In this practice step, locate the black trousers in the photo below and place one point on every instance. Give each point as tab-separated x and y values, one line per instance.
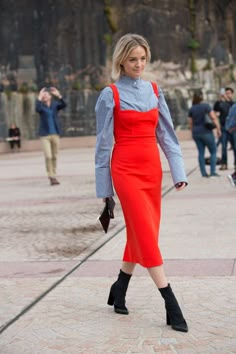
15	143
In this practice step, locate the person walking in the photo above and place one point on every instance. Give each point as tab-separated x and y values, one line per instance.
49	128
222	107
230	127
136	113
203	136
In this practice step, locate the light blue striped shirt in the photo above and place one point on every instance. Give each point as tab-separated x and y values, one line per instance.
135	94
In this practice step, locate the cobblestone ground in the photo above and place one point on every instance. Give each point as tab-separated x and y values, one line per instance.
40	222
48	231
55	224
74	318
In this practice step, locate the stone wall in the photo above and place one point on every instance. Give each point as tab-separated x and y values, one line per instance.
19	109
62	40
68	44
77	119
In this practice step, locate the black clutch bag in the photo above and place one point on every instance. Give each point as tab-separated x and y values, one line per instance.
107	214
208	122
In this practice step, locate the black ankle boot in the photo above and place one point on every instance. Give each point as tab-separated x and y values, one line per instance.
118	292
174	316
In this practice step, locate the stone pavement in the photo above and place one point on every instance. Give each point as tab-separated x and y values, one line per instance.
56	265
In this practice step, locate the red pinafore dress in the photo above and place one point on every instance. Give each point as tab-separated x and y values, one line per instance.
137	176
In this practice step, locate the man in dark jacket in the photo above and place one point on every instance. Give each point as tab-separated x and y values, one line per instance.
49	128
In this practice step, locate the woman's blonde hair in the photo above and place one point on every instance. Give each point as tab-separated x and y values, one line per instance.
122	50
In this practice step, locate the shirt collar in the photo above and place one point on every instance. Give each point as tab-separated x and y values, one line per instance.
130	81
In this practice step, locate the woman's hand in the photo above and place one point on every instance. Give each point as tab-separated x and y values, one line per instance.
180	185
105	199
55	92
41	92
216	121
218	132
110	205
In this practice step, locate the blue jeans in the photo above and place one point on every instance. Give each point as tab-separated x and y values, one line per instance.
202	141
233	137
224	142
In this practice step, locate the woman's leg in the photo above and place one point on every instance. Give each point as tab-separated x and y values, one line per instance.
174	315
211	145
128	267
119	288
201	152
158	276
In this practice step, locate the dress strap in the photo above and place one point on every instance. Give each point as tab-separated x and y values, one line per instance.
155	88
116	96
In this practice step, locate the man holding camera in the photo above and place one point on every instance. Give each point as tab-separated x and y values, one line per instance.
49	128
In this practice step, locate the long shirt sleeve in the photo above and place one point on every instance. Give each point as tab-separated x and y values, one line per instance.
137	95
40	106
104	125
49	119
168	141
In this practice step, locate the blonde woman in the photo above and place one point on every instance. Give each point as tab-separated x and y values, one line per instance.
136	113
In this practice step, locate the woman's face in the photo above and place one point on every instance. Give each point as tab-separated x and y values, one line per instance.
134	64
46	97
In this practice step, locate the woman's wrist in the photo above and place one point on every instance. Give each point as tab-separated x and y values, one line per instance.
181	184
107	198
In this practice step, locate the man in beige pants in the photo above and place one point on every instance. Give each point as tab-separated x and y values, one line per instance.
49	128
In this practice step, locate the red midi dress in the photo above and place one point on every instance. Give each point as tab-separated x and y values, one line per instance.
137	176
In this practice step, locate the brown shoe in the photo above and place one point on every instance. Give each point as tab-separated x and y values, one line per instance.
53	181
223	168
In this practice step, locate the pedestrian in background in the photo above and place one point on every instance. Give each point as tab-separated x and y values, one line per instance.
14	136
222	107
135	111
49	128
203	137
231	128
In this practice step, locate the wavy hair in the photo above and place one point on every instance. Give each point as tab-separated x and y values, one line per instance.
123	47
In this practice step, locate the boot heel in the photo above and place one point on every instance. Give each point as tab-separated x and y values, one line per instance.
174	316
167	319
110	300
117	293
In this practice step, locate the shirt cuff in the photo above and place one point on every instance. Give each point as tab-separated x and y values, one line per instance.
104	186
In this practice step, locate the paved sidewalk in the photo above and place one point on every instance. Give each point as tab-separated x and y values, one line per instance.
56	265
